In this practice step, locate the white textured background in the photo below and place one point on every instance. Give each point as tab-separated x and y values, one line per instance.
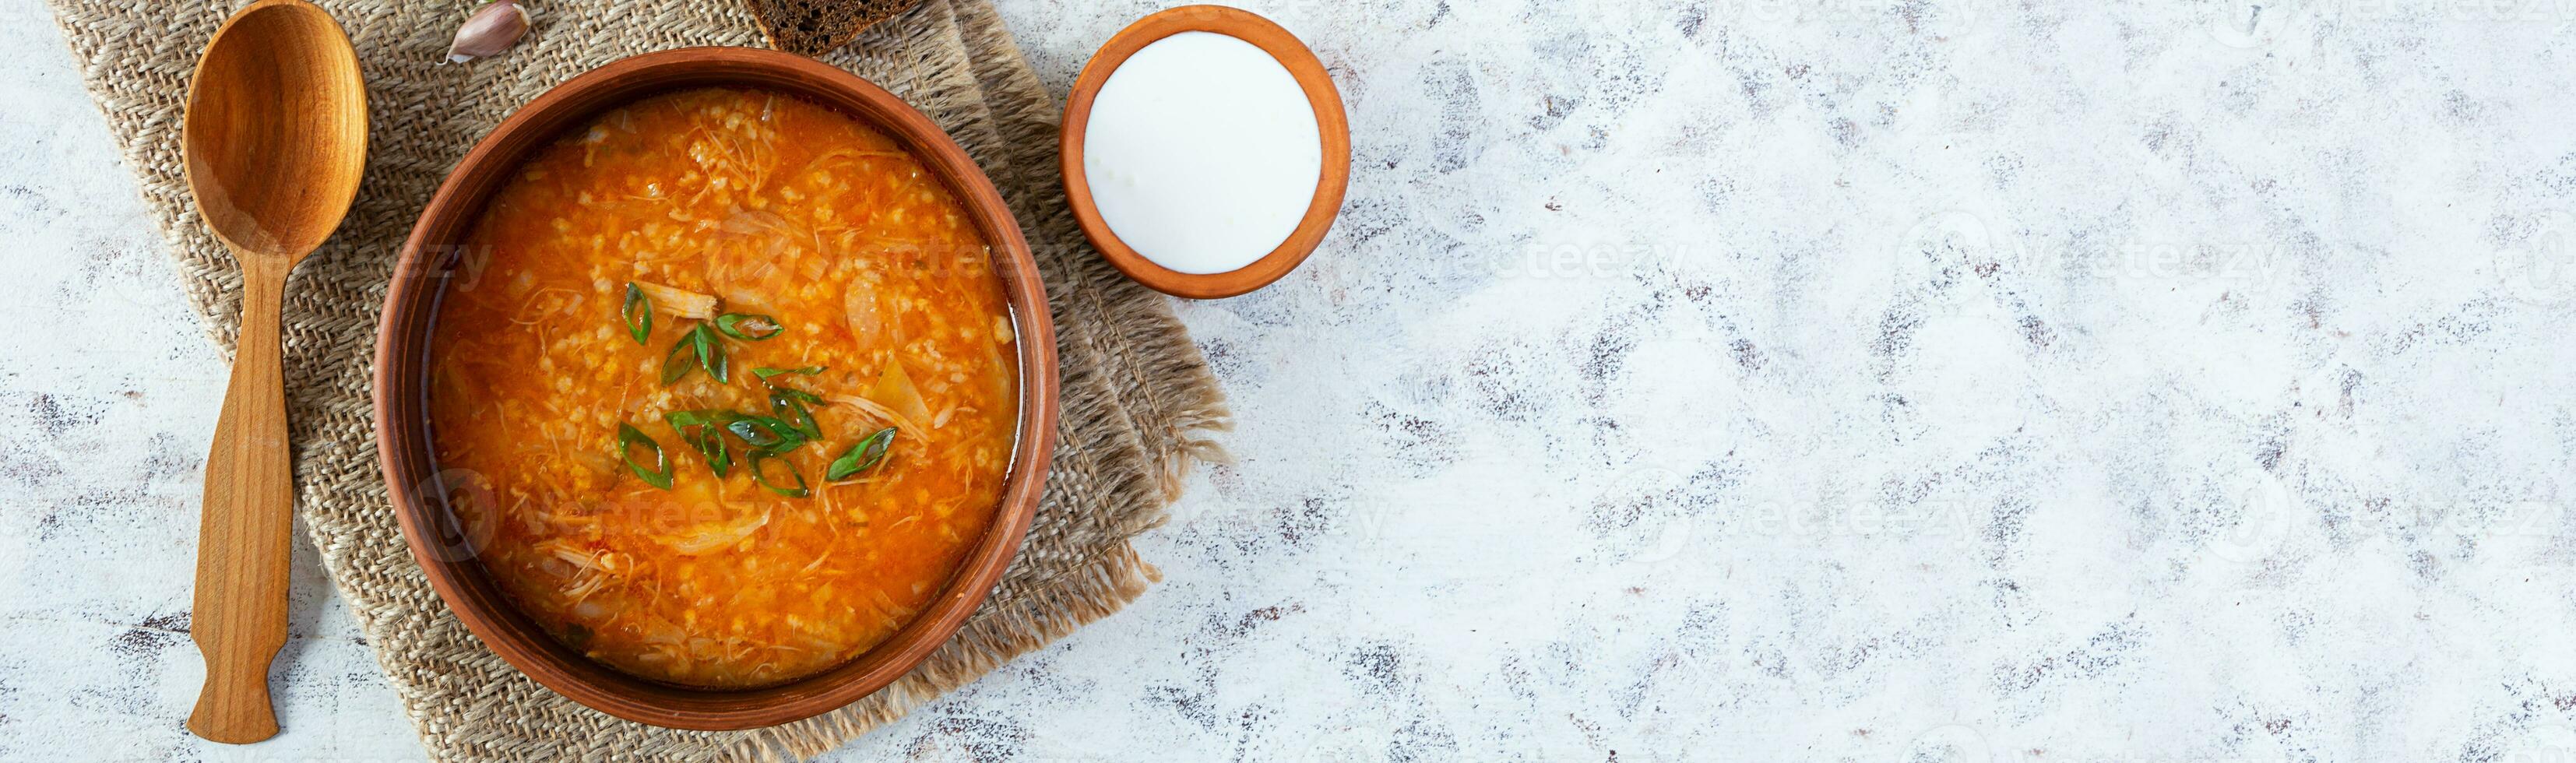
1872	380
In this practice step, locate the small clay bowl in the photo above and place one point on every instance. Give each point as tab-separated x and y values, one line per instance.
1329	121
420	492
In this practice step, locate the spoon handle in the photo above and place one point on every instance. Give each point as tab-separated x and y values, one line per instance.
242	534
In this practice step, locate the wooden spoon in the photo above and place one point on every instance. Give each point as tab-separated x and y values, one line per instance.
276	140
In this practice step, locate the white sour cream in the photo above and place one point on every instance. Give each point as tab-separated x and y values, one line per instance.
1202	153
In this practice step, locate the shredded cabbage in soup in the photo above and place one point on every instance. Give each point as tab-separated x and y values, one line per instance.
840	421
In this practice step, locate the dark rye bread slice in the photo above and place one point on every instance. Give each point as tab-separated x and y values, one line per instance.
815	27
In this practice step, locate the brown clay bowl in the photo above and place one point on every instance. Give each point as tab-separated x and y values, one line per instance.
420	493
1329	121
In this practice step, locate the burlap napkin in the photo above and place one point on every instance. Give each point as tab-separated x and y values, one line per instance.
1138	400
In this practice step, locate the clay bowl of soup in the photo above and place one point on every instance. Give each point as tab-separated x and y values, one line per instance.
715	388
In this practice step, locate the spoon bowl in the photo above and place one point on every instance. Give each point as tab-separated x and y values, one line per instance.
275	139
276	129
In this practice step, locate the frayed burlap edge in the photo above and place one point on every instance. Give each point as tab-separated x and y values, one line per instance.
1140	406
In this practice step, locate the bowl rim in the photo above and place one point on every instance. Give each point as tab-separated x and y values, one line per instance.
1330	121
418	493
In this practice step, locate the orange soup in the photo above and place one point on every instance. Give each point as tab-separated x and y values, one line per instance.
738	381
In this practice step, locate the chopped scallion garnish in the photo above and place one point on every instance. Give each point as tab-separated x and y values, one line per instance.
758	458
627	438
789	405
862	456
638	313
708	436
766	433
749	328
677	363
764	372
710	352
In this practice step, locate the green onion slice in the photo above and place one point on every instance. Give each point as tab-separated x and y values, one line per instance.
764	372
759	457
749	328
766	433
710	352
638	312
627	438
708	436
677	363
862	456
789	404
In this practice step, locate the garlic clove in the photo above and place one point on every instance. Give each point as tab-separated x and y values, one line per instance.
493	29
